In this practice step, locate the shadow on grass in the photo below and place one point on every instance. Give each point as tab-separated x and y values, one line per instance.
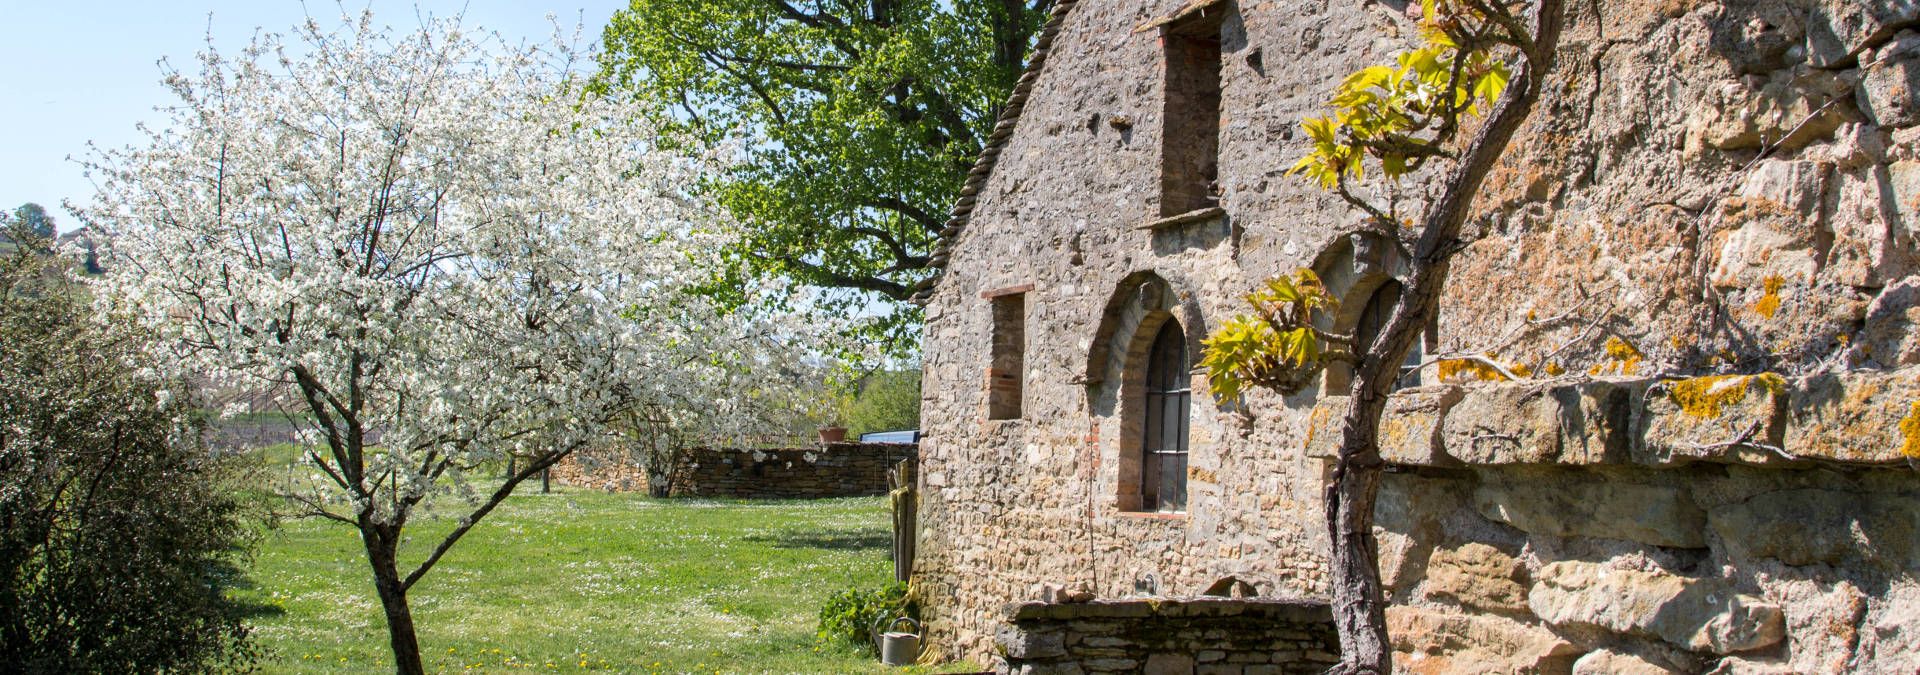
840	540
228	578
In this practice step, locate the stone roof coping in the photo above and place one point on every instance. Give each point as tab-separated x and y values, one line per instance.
1277	609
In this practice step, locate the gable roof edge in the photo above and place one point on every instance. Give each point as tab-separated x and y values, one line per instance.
990	155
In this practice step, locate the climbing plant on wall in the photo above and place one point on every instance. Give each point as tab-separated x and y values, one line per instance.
1396	119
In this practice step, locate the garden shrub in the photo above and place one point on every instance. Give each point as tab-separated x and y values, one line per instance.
848	616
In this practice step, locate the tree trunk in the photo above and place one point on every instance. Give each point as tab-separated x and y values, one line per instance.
381	555
1359	603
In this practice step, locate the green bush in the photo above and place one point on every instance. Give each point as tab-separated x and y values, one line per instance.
119	531
848	616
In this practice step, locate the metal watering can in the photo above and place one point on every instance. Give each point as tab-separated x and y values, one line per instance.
897	648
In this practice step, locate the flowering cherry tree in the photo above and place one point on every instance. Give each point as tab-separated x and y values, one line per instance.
443	251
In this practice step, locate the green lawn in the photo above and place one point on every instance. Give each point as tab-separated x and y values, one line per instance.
581	580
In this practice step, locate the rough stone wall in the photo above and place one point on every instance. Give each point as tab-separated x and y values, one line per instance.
831	470
1203	636
1705	187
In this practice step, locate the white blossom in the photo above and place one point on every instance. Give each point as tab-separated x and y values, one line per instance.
446	250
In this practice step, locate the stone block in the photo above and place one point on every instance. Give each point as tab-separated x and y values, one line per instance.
1578	506
1609	662
1504	424
1854	416
1477	575
1111	665
1865	247
1697	614
1410	426
1527	423
1775	231
1890	334
1822	527
1168	664
1839	30
1437	642
1696	418
1014	642
1890	85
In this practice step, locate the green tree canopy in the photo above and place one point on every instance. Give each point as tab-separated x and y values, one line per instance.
36	219
861	120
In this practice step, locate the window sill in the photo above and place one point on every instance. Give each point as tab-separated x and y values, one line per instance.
1193	216
1154	515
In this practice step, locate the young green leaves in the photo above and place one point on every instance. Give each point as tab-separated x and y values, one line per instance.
1403	114
1276	346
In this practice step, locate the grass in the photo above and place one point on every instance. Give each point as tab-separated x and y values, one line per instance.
583	581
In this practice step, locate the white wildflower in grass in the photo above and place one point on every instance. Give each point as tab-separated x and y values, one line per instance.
447	251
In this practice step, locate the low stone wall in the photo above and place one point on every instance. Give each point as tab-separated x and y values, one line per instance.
831	470
1198	636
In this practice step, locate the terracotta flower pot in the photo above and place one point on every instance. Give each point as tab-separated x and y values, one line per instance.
833	434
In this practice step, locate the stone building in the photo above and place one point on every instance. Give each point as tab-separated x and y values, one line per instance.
1698	253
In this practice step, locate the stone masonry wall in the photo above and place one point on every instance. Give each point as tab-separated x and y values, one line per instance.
831	470
1706	188
1192	636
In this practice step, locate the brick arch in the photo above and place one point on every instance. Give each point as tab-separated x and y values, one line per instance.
1138	305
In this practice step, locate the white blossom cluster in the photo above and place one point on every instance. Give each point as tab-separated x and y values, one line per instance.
444	247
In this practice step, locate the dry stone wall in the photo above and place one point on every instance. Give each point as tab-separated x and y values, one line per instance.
830	470
1706	188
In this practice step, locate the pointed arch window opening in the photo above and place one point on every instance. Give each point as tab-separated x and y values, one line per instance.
1374	317
1169	400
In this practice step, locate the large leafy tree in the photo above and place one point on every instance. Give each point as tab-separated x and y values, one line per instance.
449	256
35	218
863	117
1397	119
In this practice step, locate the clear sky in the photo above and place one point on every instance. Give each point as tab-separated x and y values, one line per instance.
73	71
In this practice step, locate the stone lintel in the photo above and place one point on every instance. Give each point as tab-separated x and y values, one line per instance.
1009	290
1194	216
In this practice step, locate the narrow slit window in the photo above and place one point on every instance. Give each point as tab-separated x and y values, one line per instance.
1007	370
1190	148
1163	466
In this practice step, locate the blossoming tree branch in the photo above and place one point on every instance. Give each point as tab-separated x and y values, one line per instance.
444	252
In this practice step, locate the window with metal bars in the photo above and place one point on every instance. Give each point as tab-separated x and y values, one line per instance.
1163	452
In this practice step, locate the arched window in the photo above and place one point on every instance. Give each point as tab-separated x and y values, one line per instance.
1163	451
1374	317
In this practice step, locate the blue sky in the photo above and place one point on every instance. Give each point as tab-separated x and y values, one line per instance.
77	71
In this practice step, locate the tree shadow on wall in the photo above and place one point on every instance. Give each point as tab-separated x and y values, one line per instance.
831	540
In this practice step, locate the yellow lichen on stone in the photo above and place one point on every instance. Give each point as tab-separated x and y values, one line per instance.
1708	397
1456	371
1554	369
1623	359
1910	432
1769	303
